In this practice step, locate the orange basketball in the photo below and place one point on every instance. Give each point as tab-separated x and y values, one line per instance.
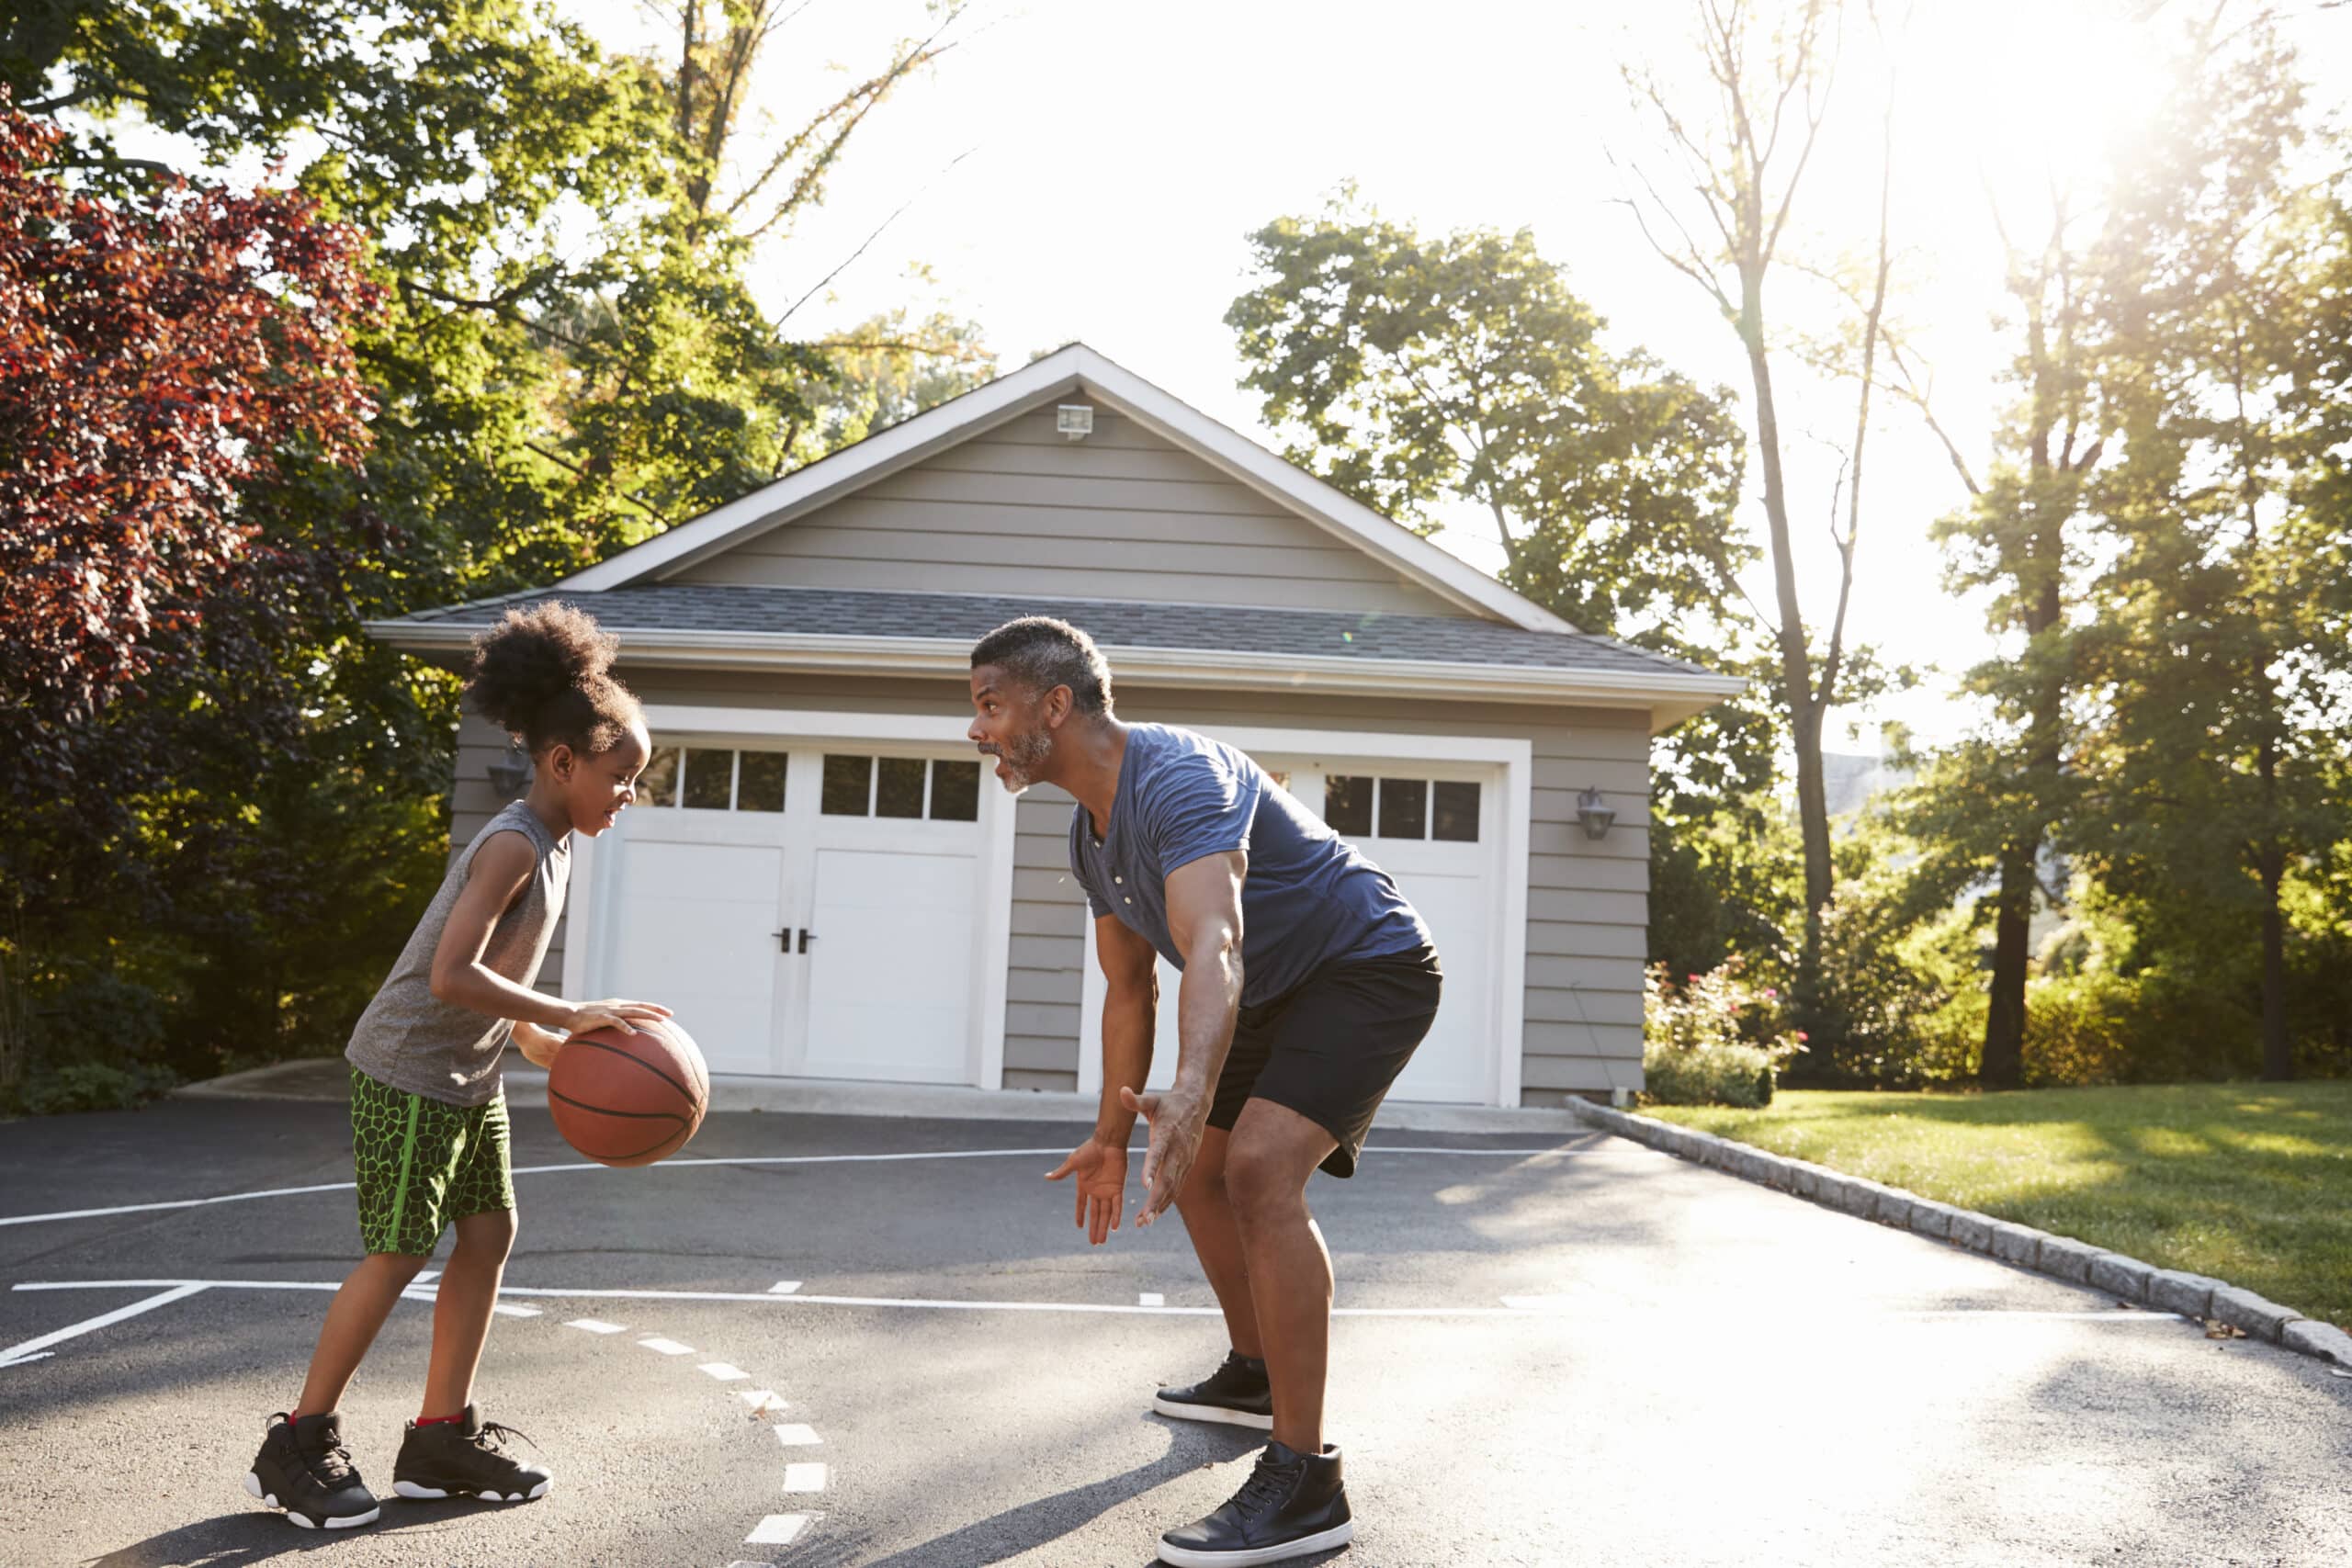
625	1098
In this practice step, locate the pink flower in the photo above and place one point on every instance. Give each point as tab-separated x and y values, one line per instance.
1802	1035
1771	995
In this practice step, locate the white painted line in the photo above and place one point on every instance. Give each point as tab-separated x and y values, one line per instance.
427	1277
794	1435
785	1288
934	1304
506	1309
667	1346
778	1529
724	1372
804	1477
597	1325
681	1162
22	1361
761	1399
1151	1299
22	1351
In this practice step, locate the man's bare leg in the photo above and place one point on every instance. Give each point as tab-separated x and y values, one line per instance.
1272	1151
1217	1240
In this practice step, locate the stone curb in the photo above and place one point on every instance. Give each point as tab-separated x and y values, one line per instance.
2063	1257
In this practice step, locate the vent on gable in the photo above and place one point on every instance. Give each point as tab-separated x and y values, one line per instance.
1074	421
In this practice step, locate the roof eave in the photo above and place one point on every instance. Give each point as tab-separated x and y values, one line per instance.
1668	697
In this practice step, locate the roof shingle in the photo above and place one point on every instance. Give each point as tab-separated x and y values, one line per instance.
825	611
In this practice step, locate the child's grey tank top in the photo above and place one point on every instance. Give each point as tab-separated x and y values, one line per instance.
412	1040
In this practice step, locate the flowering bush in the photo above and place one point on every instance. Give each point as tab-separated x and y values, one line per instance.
1712	1040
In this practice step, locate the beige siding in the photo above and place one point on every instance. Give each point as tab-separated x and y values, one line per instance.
1586	901
1122	514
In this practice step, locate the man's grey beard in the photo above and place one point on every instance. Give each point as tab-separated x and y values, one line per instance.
1023	756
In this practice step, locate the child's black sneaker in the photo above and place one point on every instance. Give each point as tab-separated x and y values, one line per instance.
1291	1504
304	1469
466	1458
1236	1393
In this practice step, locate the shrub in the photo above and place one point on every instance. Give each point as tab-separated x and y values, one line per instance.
88	1085
1713	1040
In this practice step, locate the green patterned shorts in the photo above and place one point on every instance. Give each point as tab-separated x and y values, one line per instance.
423	1164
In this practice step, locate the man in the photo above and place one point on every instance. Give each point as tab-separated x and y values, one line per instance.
1308	982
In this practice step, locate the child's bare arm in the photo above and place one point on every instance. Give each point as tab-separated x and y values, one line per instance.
499	870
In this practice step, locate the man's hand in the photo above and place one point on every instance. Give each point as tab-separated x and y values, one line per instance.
1102	1186
613	1013
538	1045
1176	1118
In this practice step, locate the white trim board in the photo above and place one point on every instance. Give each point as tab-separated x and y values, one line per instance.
1507	977
992	944
1074	367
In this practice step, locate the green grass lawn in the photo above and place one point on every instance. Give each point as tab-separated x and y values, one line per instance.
2251	1183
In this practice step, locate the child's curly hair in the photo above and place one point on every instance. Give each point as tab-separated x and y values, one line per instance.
544	673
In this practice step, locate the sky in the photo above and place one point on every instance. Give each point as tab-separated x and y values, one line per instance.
1085	170
1089	170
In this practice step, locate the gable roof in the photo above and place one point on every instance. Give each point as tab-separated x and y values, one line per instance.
1074	369
1243	647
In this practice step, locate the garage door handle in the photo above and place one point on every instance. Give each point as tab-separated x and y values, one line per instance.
805	938
783	940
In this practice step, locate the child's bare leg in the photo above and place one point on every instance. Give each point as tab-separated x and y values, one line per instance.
461	1311
353	1317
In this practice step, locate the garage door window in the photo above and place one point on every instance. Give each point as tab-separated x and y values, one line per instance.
1360	806
903	787
710	778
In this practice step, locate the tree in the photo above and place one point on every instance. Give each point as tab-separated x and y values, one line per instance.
156	357
2218	658
1413	372
1740	142
171	363
1459	374
1987	810
568	359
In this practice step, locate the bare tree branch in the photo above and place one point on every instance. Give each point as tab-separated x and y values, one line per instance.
869	239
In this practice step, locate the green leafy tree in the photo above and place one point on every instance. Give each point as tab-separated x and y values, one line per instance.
2222	670
1460	375
568	360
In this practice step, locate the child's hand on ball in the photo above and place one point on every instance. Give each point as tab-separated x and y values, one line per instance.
613	1013
538	1046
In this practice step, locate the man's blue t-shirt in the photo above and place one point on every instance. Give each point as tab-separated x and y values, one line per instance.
1308	899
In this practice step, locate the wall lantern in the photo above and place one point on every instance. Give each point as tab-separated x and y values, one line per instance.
512	771
1595	814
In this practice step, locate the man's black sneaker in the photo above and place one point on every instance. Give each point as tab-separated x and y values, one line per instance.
1291	1504
304	1469
1236	1393
465	1457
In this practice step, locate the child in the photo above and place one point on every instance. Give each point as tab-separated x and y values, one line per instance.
428	1110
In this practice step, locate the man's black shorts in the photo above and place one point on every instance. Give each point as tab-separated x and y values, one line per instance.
1331	1048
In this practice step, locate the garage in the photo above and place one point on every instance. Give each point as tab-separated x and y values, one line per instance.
822	885
812	907
1439	827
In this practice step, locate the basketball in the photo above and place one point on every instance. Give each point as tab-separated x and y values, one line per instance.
628	1098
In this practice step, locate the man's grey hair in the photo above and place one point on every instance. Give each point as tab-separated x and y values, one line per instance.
1043	654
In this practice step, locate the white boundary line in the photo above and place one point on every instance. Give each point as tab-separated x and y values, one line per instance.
706	1161
32	1349
189	1287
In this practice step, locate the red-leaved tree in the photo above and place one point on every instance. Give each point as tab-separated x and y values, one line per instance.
159	358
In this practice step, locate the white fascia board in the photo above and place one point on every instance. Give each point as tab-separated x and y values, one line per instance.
1668	697
1284	481
871	459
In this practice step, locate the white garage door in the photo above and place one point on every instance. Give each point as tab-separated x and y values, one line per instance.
806	911
1437	837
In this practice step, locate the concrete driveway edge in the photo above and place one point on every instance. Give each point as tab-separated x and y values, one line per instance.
2076	1262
